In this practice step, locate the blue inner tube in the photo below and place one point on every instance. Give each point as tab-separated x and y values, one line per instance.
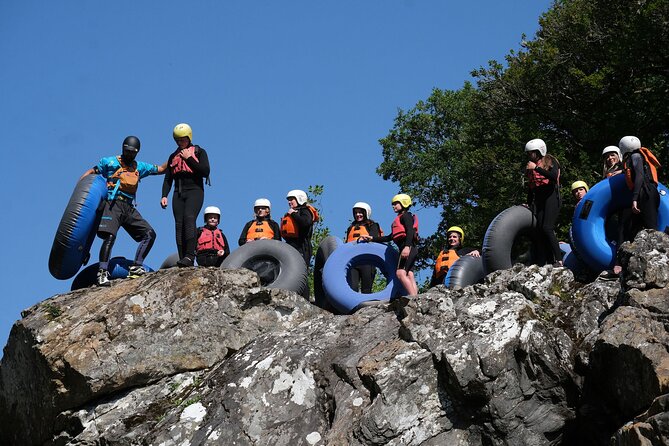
77	227
118	269
349	255
588	225
467	270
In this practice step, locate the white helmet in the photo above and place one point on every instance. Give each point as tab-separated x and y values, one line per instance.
365	207
299	195
212	210
629	144
614	149
262	202
536	144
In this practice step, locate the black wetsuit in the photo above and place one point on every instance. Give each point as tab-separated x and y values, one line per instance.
645	194
187	199
544	201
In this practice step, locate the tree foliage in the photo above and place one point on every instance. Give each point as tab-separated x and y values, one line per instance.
596	70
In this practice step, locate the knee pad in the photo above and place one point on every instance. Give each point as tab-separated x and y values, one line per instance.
150	235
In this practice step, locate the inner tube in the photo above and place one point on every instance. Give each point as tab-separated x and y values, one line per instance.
505	235
349	255
278	264
77	228
588	225
325	248
467	270
118	269
170	261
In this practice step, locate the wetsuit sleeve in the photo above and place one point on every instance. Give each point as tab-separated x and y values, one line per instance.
277	230
374	230
637	165
167	181
551	174
226	248
407	222
464	251
303	219
200	167
383	239
242	236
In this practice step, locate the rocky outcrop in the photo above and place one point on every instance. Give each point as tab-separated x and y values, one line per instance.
207	356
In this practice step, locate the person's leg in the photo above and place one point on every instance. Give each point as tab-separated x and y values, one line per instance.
109	224
366	278
649	208
141	231
414	290
354	278
193	200
178	210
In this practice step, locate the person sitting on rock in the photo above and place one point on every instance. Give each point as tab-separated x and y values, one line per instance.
453	250
212	245
262	227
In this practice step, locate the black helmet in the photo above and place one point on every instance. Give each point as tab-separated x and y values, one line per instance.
131	143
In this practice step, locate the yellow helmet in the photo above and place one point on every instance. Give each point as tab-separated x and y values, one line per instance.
181	130
402	199
459	230
576	184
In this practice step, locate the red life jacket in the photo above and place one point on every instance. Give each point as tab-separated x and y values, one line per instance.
398	231
259	230
210	239
126	176
536	179
650	166
288	227
445	260
179	164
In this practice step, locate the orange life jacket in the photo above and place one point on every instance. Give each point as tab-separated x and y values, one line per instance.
127	178
445	260
650	166
288	227
179	164
397	228
210	239
357	230
259	230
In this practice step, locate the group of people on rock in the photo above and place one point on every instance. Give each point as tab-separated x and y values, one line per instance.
639	166
187	170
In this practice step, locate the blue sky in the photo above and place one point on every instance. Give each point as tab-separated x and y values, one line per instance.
282	95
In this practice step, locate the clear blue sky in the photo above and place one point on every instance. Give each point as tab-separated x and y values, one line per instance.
282	95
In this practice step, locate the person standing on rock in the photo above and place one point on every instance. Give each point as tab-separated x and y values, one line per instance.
543	197
297	225
188	168
123	174
640	168
404	232
361	277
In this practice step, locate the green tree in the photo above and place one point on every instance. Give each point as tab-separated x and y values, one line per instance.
596	71
320	229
